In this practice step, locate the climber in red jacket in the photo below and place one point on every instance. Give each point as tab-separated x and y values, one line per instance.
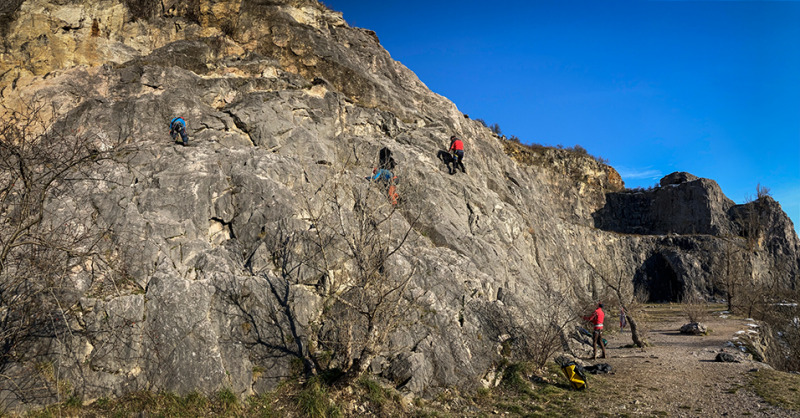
457	149
596	318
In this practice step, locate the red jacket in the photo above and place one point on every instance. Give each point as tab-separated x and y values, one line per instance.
457	145
596	318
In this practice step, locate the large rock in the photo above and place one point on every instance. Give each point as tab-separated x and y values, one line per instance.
677	178
687	206
693	328
281	98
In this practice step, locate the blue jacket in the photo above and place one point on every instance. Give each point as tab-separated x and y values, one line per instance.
383	174
179	120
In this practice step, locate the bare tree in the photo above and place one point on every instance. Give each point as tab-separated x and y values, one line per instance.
370	291
745	292
542	334
762	191
49	237
344	251
754	219
732	279
626	296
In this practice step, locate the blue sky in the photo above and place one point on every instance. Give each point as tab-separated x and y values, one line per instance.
707	87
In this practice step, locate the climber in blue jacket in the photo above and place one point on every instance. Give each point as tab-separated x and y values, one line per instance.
387	179
177	126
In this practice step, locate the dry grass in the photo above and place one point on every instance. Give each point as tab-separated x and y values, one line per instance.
778	388
550	395
224	404
318	397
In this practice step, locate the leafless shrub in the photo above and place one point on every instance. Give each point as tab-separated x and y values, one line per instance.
762	191
755	218
368	296
694	307
544	332
780	312
577	149
49	244
345	251
601	160
790	338
630	300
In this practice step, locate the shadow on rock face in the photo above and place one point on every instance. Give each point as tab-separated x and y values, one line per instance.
7	10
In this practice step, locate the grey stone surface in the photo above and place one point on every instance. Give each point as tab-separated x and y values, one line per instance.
677	178
279	104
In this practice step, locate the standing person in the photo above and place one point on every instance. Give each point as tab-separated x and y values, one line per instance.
457	149
177	126
596	318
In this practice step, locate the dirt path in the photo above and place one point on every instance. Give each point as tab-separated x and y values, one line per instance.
677	375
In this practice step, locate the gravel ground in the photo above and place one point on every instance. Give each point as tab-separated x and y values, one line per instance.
677	375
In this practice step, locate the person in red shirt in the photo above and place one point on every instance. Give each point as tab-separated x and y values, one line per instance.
596	318
457	149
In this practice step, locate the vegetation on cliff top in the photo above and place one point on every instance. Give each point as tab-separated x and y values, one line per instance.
572	161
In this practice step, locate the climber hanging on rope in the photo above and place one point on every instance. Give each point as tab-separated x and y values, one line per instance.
383	174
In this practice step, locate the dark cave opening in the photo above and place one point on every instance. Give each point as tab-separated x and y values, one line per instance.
658	280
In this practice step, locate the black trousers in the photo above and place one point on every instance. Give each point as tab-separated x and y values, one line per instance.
459	157
178	129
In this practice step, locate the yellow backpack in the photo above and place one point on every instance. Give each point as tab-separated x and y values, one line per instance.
574	373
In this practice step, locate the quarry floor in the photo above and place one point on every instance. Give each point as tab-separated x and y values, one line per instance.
677	375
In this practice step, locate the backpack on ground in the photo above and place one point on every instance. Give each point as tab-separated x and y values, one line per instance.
599	368
575	374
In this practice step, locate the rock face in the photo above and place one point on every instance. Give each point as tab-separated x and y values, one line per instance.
286	105
686	208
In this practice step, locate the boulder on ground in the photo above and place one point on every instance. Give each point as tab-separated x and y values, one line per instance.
694	328
725	358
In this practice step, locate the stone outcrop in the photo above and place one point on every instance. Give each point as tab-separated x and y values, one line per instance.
693	328
690	206
282	98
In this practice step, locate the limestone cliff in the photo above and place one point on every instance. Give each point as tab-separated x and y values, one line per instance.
286	104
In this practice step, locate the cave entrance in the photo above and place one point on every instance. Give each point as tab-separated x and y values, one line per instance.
658	280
